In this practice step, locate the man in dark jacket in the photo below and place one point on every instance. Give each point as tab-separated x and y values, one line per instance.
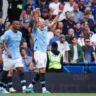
1	4
54	60
14	9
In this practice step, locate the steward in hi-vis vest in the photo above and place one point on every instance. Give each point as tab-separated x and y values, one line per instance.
54	60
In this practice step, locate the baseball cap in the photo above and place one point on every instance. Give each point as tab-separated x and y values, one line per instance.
62	36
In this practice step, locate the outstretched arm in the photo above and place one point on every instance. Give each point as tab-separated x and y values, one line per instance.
37	15
54	21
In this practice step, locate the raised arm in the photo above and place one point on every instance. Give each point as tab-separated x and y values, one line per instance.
37	15
54	21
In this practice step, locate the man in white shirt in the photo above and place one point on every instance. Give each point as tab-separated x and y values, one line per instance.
63	47
55	6
68	7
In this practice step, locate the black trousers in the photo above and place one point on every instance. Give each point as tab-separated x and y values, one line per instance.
1	4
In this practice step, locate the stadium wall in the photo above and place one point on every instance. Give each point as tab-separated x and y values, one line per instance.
62	82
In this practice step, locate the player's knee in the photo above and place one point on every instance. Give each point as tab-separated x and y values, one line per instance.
42	70
10	73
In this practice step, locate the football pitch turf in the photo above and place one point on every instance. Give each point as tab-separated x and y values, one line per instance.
52	94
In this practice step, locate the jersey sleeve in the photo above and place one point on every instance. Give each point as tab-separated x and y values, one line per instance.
6	36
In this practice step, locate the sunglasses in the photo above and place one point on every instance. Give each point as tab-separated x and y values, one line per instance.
87	41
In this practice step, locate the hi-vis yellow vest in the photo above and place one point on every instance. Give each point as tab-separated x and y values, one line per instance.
19	6
54	60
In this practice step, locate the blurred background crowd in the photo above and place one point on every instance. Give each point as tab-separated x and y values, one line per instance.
75	31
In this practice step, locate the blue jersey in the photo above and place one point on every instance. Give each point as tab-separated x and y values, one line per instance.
40	37
13	44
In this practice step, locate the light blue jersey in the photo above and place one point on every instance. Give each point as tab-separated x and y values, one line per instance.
40	37
13	44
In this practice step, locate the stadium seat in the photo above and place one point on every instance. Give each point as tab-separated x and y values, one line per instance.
74	69
92	69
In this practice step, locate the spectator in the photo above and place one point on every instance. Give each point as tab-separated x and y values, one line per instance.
86	31
75	53
81	40
78	30
88	52
1	26
29	2
50	35
25	46
78	15
60	26
27	60
68	24
63	47
43	5
88	11
93	39
55	6
81	6
4	27
50	16
55	38
94	46
93	28
93	8
44	14
70	35
61	7
25	18
88	19
0	21
87	2
14	7
1	4
54	60
68	6
67	16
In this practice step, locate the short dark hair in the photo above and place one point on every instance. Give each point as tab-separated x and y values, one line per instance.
74	37
28	6
22	41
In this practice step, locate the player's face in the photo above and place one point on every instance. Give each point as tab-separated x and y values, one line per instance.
16	25
42	23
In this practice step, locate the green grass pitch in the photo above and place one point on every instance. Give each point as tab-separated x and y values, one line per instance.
52	94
